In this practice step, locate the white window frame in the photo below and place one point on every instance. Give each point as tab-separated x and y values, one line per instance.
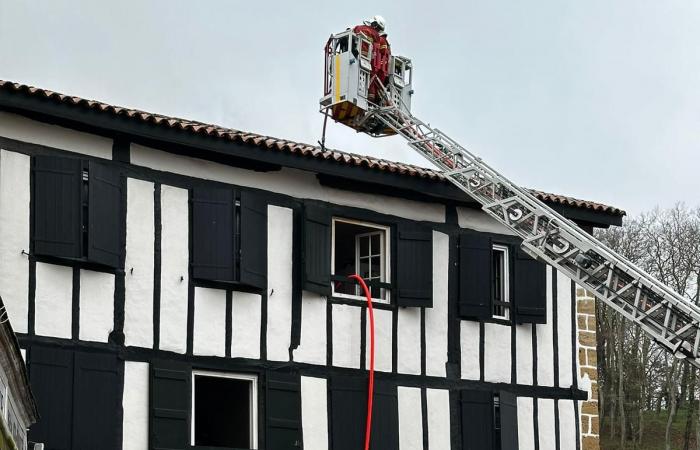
252	398
385	239
505	280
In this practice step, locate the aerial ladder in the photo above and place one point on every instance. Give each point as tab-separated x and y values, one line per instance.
669	319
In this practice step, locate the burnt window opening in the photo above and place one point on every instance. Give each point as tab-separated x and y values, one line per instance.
224	410
500	277
363	249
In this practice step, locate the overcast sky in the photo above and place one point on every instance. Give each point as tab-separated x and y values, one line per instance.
596	99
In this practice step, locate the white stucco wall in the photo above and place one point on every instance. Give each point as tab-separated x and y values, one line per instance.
346	336
53	300
523	355
246	315
438	403
408	341
314	417
14	236
477	220
567	424
135	403
545	342
545	424
138	284
469	344
410	419
96	305
312	348
174	268
497	353
280	224
382	340
564	330
526	424
436	317
209	322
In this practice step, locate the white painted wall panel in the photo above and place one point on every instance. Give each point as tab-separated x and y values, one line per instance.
346	336
53	300
314	413
14	126
410	419
312	348
436	317
523	353
382	340
526	424
175	259
497	353
138	285
280	224
564	330
438	402
545	424
469	343
246	312
545	342
567	424
297	183
476	219
209	322
14	236
96	305
135	404
408	340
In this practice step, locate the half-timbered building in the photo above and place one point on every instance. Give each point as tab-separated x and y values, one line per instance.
181	285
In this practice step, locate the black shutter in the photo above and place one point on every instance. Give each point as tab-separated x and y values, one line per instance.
51	375
283	411
253	240
97	400
170	405
414	266
475	253
104	206
212	234
349	414
57	206
530	289
509	421
477	420
317	250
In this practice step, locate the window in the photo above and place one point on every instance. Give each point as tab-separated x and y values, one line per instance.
360	248
489	420
224	410
500	276
497	420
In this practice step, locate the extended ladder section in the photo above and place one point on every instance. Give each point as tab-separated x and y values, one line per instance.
670	320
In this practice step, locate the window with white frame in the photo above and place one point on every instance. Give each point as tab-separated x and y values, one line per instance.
363	249
501	282
224	410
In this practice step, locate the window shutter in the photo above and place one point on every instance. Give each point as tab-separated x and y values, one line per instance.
212	234
530	289
475	275
414	263
170	405
57	194
509	421
317	250
283	411
104	211
51	375
477	420
349	413
253	240
96	401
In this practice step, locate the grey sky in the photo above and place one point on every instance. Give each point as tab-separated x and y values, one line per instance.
594	99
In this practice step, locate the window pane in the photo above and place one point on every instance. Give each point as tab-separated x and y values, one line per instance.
376	247
376	267
364	246
364	268
222	412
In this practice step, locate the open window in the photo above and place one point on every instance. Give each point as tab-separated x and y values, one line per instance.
500	275
363	249
224	410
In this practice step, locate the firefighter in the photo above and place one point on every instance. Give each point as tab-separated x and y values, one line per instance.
374	30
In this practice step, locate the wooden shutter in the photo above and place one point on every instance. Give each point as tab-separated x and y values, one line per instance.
349	413
212	234
57	206
170	405
316	256
509	421
104	207
477	420
283	411
97	400
51	377
475	253
253	240
414	265
530	289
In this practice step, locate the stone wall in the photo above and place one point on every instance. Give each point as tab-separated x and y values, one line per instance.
588	367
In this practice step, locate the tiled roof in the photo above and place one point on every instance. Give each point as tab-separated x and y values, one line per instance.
276	144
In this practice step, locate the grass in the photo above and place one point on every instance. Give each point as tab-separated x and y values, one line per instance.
654	432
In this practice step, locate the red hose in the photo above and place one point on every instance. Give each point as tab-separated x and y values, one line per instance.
370	390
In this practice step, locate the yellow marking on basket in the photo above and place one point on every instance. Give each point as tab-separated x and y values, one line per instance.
336	82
